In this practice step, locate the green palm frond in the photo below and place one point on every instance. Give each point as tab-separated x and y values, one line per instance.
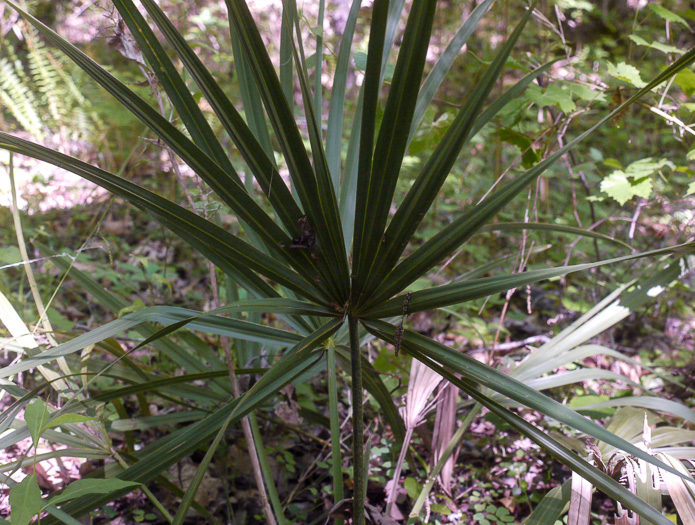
324	255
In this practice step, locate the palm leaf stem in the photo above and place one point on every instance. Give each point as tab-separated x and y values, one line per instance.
360	474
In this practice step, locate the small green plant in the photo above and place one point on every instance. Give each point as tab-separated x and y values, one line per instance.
326	256
42	93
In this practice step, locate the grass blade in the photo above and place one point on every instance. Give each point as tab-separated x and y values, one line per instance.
611	310
295	362
327	194
229	188
218	325
551	507
318	69
286	58
537	226
348	187
253	106
200	472
156	458
602	481
370	98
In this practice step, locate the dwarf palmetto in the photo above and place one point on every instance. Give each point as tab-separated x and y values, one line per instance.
328	259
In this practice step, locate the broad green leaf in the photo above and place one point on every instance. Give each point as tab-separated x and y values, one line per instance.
686	80
668	15
635	180
25	501
544	362
85	453
36	415
622	189
348	185
553	95
87	486
551	507
691	189
626	73
529	157
508	96
664	48
158	385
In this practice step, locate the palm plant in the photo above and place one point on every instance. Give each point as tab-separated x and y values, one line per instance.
328	259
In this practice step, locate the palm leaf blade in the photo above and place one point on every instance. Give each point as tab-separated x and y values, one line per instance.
459	292
255	155
452	362
453	235
426	187
223	248
601	480
374	199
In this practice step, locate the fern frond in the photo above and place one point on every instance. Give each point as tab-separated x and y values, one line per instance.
18	99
